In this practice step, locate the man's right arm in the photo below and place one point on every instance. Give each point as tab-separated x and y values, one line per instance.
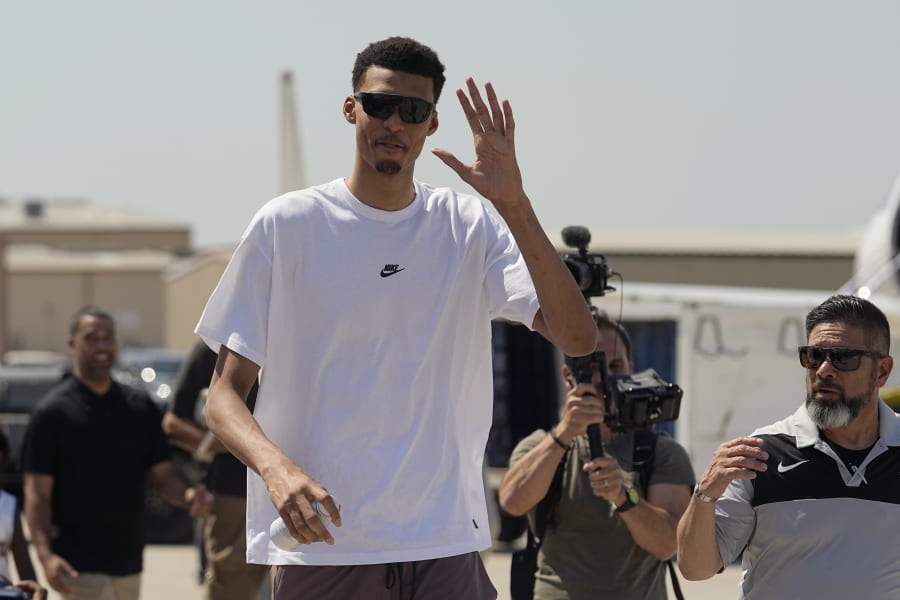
290	488
231	421
38	494
698	549
38	513
528	479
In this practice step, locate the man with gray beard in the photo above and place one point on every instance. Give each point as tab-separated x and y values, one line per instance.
818	489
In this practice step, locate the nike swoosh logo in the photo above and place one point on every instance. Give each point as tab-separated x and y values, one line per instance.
784	469
389	273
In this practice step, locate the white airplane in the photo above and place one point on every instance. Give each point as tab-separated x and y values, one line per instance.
877	263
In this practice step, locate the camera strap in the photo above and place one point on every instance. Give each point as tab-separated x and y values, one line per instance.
524	561
642	457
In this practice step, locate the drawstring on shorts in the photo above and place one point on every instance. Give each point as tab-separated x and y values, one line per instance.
394	576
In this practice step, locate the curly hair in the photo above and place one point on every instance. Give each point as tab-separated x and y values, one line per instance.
400	54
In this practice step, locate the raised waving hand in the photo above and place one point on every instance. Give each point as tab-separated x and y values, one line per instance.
495	171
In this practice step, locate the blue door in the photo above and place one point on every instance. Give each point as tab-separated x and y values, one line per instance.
653	347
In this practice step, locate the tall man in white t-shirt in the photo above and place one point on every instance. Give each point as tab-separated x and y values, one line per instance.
364	305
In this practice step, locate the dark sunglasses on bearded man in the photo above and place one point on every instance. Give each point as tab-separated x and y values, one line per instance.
842	359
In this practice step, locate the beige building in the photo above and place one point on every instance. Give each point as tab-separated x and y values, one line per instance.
46	285
187	285
58	256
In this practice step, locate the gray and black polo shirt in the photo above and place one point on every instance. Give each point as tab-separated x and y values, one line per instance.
812	526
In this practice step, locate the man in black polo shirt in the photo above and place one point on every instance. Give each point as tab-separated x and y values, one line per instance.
90	447
228	575
813	501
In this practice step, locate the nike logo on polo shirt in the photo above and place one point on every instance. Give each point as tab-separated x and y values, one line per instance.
389	270
782	468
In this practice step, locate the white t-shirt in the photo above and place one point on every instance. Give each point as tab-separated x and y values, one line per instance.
372	329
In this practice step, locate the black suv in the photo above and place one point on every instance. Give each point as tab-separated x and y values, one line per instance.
154	370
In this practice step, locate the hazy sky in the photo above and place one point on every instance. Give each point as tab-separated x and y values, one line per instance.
630	114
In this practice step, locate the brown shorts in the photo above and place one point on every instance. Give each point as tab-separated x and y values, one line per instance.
99	586
450	578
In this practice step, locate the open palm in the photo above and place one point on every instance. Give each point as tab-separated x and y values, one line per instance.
495	172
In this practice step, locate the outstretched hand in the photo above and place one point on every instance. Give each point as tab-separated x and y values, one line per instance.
495	172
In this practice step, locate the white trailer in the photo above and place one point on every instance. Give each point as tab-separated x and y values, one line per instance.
735	354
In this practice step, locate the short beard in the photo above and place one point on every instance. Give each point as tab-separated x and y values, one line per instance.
839	413
388	167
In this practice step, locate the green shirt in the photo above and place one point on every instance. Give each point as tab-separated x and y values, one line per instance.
588	552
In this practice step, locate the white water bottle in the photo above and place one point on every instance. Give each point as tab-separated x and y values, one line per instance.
281	535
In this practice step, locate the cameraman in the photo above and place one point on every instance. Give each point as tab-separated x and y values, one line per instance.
599	542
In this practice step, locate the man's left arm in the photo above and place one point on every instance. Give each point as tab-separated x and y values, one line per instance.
564	317
170	484
653	522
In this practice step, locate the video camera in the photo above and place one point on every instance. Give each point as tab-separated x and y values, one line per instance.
634	401
590	271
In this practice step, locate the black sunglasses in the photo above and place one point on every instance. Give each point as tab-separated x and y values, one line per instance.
842	359
382	106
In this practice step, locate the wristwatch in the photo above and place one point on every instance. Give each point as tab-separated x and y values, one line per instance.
703	497
632	497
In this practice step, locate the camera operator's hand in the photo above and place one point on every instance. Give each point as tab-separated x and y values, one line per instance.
583	407
607	479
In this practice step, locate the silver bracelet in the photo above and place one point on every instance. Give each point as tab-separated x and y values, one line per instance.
703	497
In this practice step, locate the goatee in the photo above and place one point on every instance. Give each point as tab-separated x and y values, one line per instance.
388	167
836	413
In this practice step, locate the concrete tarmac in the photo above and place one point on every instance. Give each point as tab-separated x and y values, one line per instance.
170	573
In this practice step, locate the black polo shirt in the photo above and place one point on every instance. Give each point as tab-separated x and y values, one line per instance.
98	449
810	526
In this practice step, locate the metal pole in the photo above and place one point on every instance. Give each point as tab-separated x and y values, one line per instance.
291	162
4	299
